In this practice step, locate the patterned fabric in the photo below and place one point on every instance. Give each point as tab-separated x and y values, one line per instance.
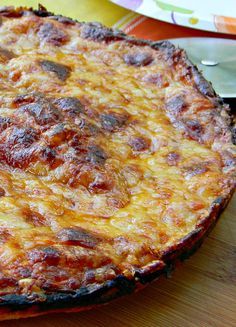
202	14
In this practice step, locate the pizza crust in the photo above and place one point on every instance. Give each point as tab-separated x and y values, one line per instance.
16	305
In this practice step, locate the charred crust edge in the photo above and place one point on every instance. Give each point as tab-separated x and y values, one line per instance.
93	295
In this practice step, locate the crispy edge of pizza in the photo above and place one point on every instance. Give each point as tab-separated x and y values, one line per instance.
15	306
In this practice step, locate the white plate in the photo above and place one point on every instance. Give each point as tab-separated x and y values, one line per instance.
209	15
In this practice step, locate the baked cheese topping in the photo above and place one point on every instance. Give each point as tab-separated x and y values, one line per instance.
109	154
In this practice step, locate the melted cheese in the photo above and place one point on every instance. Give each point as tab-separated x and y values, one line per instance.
91	188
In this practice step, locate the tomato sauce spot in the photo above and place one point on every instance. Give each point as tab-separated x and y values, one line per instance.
33	217
49	255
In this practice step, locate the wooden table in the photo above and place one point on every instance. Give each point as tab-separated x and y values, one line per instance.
200	293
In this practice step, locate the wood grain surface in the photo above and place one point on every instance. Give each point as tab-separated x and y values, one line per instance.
201	292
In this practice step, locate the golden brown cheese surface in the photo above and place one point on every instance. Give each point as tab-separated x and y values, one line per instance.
109	154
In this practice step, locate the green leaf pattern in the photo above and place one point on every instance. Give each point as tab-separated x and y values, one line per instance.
169	7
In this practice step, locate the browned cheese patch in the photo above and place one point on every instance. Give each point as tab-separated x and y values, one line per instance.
51	34
61	71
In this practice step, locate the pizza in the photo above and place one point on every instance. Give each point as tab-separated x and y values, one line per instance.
116	159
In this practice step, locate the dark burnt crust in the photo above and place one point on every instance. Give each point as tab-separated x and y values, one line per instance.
92	295
13	305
